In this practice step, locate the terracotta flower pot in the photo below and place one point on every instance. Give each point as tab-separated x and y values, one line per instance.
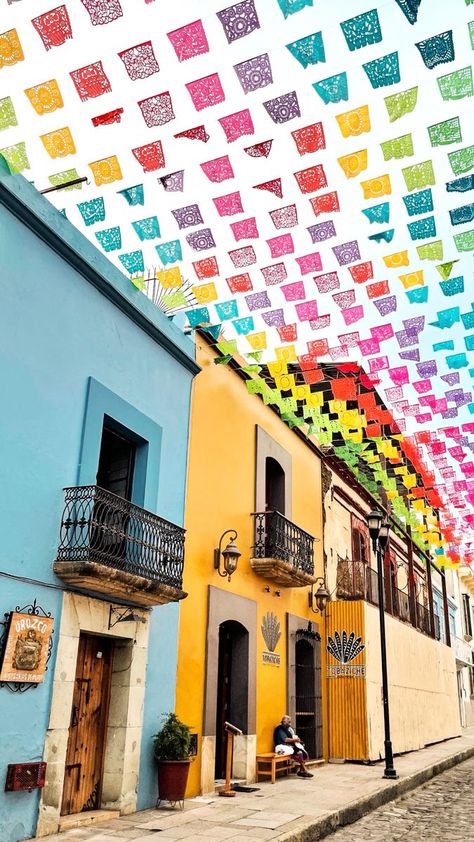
172	779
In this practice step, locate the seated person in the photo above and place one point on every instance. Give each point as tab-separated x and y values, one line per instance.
287	742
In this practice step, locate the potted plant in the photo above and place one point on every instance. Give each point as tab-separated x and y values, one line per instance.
171	747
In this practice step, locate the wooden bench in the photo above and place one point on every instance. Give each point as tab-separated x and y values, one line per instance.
270	763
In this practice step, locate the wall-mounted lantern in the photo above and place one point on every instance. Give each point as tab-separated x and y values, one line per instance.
230	555
320	597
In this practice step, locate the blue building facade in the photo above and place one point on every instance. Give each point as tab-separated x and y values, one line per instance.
95	392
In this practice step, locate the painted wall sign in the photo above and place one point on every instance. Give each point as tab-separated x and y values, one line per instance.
271	635
344	648
26	649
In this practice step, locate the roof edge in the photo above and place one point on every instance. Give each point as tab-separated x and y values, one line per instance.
24	201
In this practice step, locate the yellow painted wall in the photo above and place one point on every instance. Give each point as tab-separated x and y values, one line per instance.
422	686
220	496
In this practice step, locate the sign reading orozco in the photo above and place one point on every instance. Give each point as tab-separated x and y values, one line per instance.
26	649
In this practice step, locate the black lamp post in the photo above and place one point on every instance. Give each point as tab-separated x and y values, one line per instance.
379	531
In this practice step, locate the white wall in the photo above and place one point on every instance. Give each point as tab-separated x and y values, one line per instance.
423	688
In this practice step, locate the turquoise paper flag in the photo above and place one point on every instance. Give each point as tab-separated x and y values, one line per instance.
244	326
421	202
456	361
422	228
383	71
133	195
453	286
362	30
386	236
110	239
447	318
132	261
227	310
198	316
213	330
147	229
465	213
92	211
460	185
169	252
332	89
378	213
418	295
308	50
290	7
409	9
444	346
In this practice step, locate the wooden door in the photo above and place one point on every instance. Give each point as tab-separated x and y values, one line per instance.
89	714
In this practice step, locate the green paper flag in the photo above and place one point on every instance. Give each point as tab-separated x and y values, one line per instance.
431	251
456	85
445	269
399	104
419	175
464	241
16	157
449	131
462	160
7	114
399	147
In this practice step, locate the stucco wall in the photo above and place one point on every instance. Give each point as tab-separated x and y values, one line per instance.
220	496
422	680
56	331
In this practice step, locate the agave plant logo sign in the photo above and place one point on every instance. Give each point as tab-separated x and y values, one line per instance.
344	648
271	635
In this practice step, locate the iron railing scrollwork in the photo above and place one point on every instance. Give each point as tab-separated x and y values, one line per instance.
277	537
356	580
99	526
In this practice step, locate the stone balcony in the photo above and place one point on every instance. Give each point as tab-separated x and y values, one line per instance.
110	546
283	552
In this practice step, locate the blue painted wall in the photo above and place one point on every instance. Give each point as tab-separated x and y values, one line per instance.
56	332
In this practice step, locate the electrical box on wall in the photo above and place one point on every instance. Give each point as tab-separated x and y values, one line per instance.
25	776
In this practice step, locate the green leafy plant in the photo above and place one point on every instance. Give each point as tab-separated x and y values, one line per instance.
172	742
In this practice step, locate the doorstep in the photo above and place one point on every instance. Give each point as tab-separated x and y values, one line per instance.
86	819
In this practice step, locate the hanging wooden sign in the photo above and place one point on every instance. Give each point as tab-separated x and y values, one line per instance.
26	649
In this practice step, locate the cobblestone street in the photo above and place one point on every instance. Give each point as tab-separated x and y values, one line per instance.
440	810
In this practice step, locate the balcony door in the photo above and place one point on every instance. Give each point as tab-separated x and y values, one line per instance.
111	519
88	724
116	463
274	486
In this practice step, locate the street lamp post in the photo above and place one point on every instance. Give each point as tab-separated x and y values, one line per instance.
379	531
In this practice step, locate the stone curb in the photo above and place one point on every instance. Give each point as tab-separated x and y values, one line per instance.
322	827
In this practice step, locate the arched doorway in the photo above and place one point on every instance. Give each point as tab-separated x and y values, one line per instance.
308	713
274	486
232	686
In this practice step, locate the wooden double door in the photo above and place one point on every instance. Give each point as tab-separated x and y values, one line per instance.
88	725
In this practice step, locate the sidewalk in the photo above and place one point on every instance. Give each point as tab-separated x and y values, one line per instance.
291	810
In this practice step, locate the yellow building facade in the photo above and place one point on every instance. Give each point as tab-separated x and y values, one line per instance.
251	648
241	641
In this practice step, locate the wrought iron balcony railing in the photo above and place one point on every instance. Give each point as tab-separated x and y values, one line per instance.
279	538
356	580
99	526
